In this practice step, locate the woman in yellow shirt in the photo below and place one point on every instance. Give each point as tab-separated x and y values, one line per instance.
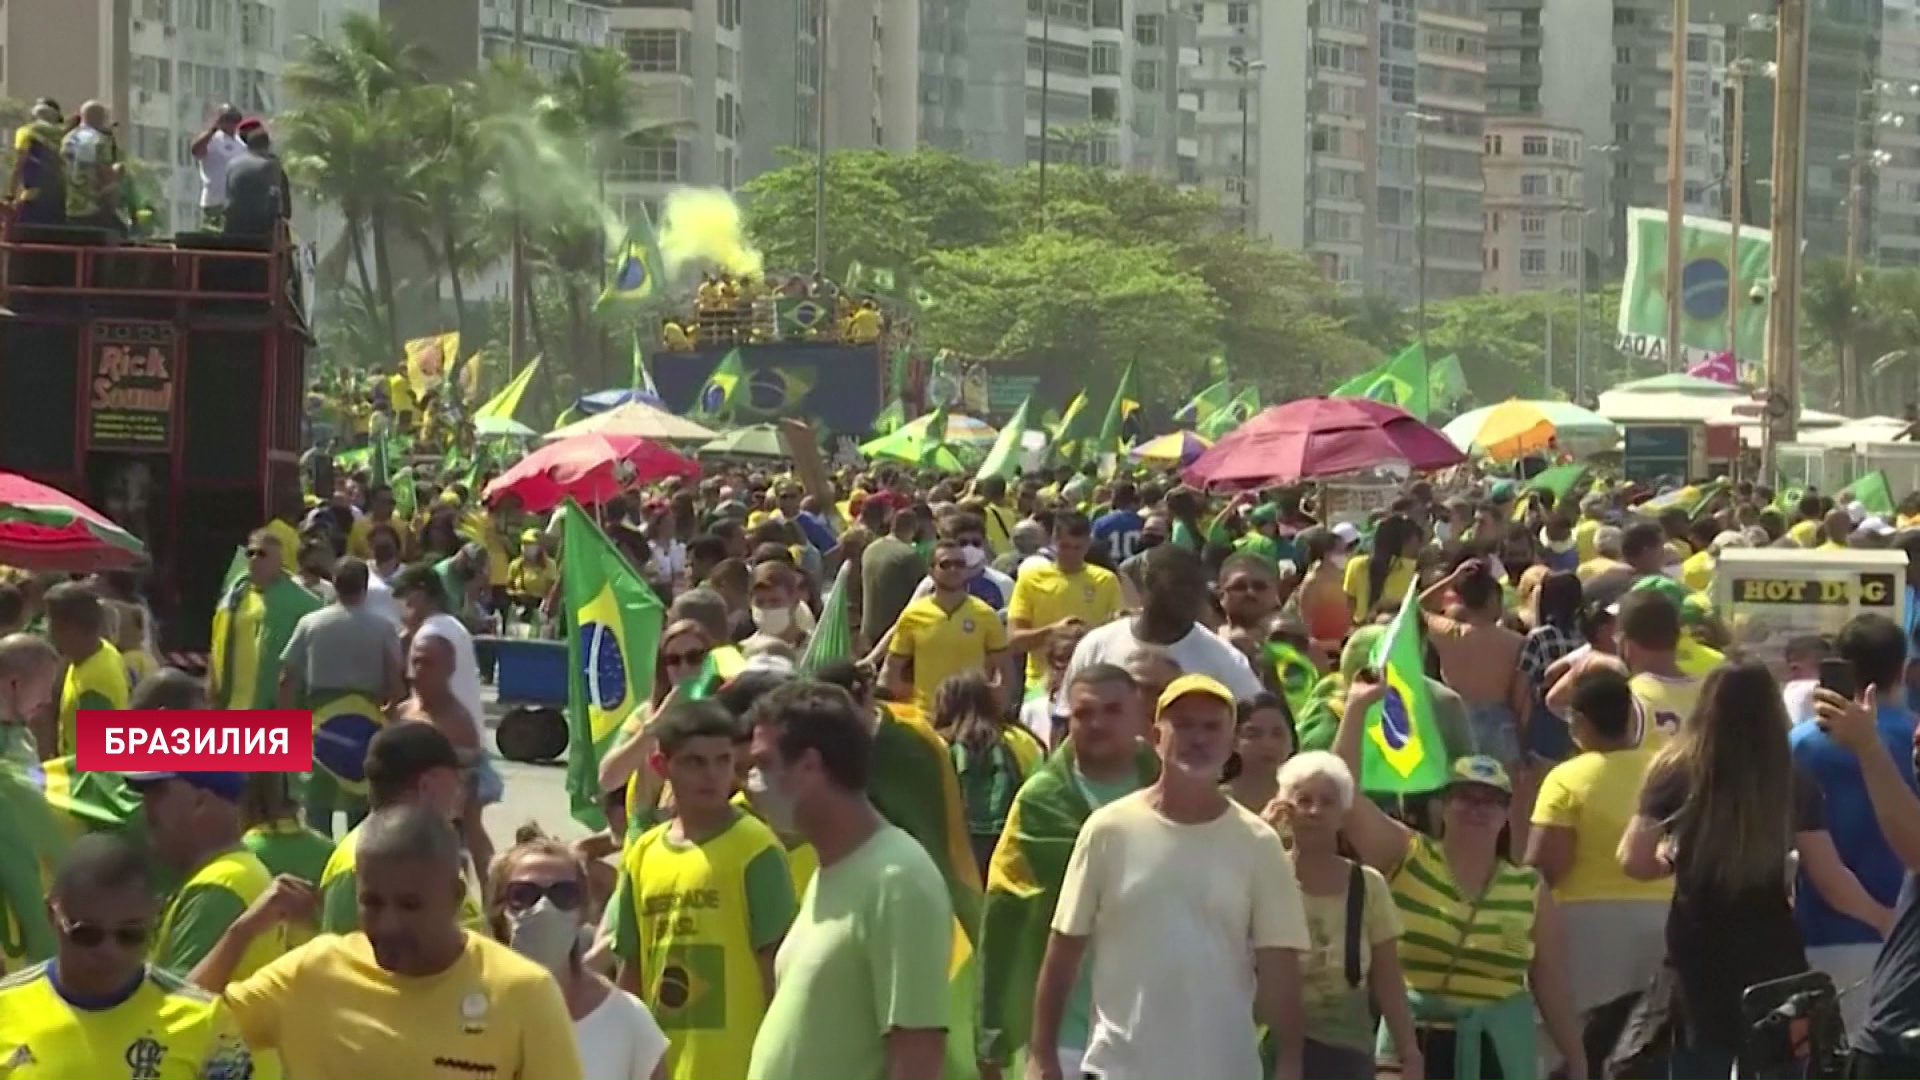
1386	572
1616	926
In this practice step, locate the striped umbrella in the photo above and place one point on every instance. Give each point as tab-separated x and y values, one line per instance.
44	528
1179	448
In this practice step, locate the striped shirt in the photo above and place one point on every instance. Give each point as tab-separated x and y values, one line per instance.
1469	951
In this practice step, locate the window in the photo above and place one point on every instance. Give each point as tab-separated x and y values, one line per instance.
1533	146
728	13
156	10
1696	49
1622	93
656	50
1055	56
1146	29
649	159
1533	261
1237	13
1533	225
724	63
1146	74
726	116
1623	56
1106	58
1533	184
1108	15
1106	104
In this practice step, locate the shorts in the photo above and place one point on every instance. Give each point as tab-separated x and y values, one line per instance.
1495	731
487	785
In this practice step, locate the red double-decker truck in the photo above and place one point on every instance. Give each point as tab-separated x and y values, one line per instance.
162	383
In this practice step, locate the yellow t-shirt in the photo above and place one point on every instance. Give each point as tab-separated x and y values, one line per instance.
1044	595
941	644
98	682
1805	533
182	941
1696	571
500	548
1474	951
1358	579
399	394
1596	795
166	1030
701	914
1583	534
1664	702
1594	567
531	579
330	1010
1337	1012
360	546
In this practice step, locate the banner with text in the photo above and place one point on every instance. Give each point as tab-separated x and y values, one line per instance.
131	388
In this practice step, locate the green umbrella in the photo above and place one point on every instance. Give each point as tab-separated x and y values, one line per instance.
760	440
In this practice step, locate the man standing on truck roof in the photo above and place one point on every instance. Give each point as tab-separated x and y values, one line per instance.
215	149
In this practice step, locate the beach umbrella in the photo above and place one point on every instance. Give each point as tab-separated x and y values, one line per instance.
636	419
1181	447
1317	438
44	528
760	440
589	469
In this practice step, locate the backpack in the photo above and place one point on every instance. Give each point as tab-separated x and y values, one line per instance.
988	783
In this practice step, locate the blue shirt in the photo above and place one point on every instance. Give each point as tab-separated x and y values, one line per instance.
1850	820
1120	531
1913	622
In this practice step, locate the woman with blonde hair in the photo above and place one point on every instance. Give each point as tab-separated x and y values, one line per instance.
539	908
1354	963
1712	817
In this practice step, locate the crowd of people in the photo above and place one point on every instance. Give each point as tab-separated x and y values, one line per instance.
1080	796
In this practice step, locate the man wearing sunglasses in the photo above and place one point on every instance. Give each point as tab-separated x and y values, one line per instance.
97	1008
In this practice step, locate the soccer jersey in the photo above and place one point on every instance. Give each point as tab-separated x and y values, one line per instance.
202	909
339	892
160	1029
98	682
698	916
1044	595
943	643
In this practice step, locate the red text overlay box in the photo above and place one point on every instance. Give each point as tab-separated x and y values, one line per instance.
156	740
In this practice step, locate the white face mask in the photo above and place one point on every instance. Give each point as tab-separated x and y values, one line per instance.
545	935
774	621
1443	531
774	806
976	557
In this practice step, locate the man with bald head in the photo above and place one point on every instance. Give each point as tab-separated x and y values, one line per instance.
93	171
30	671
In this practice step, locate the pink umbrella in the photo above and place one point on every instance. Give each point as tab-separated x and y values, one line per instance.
1314	438
588	468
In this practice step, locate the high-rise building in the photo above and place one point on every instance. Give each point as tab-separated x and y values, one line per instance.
1446	130
1253	100
1896	223
973	76
1535	202
1346	98
552	32
686	66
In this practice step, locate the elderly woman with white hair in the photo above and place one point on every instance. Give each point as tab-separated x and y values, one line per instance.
1353	922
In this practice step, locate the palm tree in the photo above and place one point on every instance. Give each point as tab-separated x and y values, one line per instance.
450	175
347	139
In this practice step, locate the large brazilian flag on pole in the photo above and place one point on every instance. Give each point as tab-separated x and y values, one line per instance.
614	620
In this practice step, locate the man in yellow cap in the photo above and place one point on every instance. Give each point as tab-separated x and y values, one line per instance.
530	576
1191	907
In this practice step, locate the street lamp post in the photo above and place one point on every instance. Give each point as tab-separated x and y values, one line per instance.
1046	70
1676	177
1420	120
1246	69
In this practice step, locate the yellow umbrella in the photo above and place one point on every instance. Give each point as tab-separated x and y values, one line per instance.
1514	428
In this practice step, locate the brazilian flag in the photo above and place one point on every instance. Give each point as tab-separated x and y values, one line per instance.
613	629
343	726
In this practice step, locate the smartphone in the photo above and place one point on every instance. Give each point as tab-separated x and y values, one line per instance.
1837	675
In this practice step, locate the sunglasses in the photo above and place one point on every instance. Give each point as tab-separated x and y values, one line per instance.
565	895
92	936
684	659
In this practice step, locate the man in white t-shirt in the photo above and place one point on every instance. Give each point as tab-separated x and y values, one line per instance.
1190	908
214	149
423	610
1174	584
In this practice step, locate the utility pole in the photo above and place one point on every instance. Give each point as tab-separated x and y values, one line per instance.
1783	300
1676	179
1420	122
1046	70
1580	317
820	142
517	257
1736	167
1849	361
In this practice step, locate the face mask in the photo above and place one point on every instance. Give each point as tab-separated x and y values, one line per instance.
773	805
1443	531
772	620
1560	547
975	556
545	935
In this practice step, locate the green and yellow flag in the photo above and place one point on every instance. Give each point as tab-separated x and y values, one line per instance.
1401	752
504	404
832	639
722	391
245	669
613	629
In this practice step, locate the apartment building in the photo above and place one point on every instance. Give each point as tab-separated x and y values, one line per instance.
553	32
1251	89
1535	205
1896	219
1446	131
1346	98
973	77
685	62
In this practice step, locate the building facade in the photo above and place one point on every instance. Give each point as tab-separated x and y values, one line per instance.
1896	218
1535	205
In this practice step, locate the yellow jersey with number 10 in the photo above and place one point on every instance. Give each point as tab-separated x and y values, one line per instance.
164	1029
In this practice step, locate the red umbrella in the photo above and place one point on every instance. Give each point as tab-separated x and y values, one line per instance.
1315	438
588	468
43	528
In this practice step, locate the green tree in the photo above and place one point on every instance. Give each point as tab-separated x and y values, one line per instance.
1502	343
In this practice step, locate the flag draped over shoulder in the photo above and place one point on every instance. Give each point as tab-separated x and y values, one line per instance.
832	638
1023	884
613	630
36	841
1402	752
242	660
913	785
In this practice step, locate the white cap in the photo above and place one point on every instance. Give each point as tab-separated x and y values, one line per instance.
1347	533
1857	511
1875	526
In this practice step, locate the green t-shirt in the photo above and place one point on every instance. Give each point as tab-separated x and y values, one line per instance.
1259	543
862	958
1076	1023
1184	536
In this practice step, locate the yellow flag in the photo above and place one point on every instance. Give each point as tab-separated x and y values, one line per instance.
429	359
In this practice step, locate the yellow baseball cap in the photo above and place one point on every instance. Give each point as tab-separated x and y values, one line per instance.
1193	684
1480	769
